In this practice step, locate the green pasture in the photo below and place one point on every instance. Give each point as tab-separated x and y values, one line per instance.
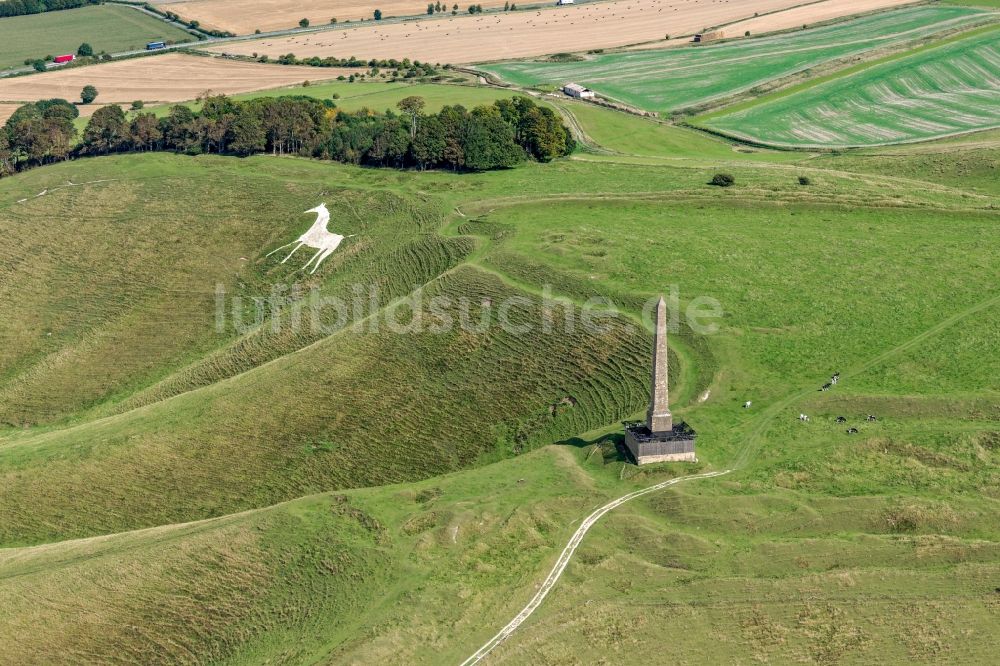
338	492
938	91
110	28
670	79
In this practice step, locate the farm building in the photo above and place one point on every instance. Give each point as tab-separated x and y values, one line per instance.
576	90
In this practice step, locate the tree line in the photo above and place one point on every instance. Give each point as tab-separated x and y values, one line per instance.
496	136
23	7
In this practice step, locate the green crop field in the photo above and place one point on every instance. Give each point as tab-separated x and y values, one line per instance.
204	460
671	79
108	28
935	92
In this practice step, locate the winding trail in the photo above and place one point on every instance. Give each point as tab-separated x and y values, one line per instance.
564	558
742	459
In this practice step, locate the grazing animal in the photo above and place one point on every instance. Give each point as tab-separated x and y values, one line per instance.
841	419
747	404
835	379
852	431
871	418
825	387
317	237
803	417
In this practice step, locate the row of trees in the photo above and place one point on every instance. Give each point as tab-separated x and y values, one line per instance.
497	136
433	8
404	69
22	7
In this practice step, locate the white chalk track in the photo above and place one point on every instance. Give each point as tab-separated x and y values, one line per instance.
564	559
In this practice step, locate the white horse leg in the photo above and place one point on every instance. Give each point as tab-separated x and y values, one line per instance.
326	253
279	248
314	257
294	250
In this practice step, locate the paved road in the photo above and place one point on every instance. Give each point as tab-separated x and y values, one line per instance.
564	558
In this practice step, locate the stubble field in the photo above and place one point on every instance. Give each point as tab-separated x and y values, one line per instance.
172	77
242	17
466	39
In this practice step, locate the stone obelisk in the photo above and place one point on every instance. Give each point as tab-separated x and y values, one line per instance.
658	418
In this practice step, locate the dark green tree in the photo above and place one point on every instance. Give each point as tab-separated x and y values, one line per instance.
488	141
412	106
304	23
85	50
378	14
107	131
144	132
88	94
428	144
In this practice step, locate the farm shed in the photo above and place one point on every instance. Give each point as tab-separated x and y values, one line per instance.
576	90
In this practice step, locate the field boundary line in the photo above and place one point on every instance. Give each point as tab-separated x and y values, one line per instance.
564	558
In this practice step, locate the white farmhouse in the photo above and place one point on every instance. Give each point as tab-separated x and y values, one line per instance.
576	90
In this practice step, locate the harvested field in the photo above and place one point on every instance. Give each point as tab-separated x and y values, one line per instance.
172	77
6	111
670	79
932	93
522	34
243	17
789	19
828	10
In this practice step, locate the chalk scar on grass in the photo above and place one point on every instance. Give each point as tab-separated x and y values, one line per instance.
69	183
317	237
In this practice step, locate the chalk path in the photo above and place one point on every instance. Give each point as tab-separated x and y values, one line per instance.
564	559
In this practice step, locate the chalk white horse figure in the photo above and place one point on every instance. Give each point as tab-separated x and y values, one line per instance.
316	237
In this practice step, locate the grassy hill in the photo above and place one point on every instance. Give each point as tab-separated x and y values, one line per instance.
110	28
365	495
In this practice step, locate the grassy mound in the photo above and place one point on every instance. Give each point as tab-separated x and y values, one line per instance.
118	289
167	419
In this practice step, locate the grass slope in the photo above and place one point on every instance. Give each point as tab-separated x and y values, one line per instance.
671	79
110	28
299	581
935	92
825	547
